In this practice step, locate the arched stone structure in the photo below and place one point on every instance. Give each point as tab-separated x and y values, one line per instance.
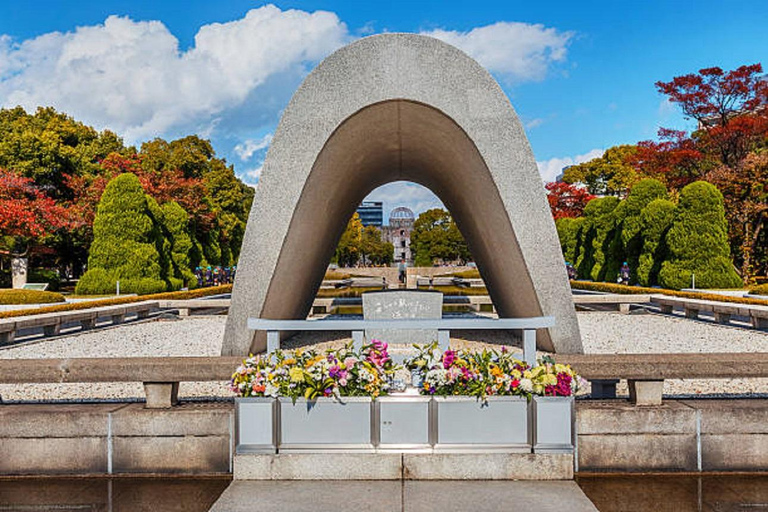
399	107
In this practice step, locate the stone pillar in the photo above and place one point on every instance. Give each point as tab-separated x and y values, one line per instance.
161	395
19	272
646	392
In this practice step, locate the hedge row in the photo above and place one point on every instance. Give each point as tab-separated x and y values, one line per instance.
663	243
759	290
17	296
74	306
622	289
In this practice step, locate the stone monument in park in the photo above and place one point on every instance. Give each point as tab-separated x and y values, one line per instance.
397	107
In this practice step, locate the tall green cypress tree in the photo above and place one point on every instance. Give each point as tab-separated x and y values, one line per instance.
126	237
176	220
656	219
698	242
628	237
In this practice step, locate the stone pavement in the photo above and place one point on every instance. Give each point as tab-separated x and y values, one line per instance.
409	496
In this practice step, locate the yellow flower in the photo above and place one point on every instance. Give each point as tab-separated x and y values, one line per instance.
296	374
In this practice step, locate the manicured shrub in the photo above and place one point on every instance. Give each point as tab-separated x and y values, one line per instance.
698	242
17	296
77	306
656	219
332	275
598	230
568	230
472	273
759	290
623	289
127	242
628	241
176	223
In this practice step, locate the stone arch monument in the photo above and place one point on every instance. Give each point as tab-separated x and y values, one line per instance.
399	107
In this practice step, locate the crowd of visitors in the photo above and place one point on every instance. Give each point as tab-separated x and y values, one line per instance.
214	276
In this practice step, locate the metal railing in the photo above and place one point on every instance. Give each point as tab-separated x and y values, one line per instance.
528	326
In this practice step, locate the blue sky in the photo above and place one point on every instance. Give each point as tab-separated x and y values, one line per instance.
580	75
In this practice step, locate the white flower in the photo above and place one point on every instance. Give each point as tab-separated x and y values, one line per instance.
271	390
526	385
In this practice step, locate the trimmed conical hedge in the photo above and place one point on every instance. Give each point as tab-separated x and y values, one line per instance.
698	242
656	219
127	243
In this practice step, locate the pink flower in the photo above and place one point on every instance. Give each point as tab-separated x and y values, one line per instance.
448	358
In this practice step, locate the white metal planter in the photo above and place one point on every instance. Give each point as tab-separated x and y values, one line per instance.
403	423
256	424
553	424
325	424
499	423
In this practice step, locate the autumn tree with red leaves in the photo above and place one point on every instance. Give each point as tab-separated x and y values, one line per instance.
27	216
675	160
730	107
567	200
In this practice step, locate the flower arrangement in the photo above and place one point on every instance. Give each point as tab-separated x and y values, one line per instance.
309	374
488	373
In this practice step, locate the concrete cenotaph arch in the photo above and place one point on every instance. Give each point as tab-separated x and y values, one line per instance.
399	107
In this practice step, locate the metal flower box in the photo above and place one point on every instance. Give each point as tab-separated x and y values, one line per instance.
325	424
552	424
403	423
256	425
500	423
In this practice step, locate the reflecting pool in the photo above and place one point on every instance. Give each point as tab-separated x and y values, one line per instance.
124	494
673	493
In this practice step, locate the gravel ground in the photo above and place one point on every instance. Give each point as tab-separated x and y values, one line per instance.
602	332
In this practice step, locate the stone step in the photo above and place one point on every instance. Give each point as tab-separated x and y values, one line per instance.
413	496
406	466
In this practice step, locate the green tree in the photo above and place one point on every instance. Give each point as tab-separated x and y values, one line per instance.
348	250
435	235
656	219
599	230
610	174
698	242
568	230
175	222
629	226
373	249
125	245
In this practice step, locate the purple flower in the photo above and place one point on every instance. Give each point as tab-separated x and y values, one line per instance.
448	358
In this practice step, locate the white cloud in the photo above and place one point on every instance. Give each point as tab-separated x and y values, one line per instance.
405	193
131	76
516	51
534	123
252	177
550	169
246	149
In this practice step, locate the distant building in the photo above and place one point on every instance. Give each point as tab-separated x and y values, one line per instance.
371	213
399	233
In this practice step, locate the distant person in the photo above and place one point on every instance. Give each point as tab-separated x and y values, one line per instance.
624	274
571	271
401	270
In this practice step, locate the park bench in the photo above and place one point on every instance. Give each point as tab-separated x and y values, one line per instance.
722	311
51	323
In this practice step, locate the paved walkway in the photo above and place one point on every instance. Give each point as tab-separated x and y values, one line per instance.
409	496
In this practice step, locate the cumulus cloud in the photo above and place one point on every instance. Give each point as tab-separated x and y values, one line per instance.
551	169
517	52
246	149
405	193
132	77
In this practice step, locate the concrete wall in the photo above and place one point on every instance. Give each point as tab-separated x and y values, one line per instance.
115	439
196	438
